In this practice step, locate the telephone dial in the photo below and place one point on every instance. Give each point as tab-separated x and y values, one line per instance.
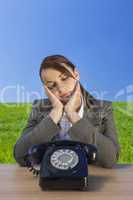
61	164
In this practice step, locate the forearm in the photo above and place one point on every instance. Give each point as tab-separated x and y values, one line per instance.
85	132
56	114
41	133
108	151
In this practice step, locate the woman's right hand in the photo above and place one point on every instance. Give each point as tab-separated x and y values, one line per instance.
56	112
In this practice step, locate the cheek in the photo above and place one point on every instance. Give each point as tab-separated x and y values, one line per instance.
57	94
72	85
68	86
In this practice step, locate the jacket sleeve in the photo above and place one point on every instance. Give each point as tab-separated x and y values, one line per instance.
34	133
107	141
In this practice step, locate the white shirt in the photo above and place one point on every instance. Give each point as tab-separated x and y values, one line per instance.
65	124
80	112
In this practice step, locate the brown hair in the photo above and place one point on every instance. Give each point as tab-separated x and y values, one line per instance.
56	61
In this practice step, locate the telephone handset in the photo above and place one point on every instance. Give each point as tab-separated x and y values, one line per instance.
61	164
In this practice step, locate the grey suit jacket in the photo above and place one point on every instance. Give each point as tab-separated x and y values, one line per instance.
96	127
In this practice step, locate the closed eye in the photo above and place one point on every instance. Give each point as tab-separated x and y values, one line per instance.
52	86
63	79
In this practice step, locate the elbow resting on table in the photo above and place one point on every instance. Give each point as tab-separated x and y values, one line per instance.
19	160
111	161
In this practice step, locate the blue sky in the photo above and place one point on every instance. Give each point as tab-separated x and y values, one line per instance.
96	35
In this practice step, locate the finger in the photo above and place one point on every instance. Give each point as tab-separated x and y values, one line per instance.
74	93
50	94
48	90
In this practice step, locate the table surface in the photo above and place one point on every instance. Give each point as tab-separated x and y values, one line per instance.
17	183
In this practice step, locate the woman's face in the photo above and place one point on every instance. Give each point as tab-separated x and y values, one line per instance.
61	84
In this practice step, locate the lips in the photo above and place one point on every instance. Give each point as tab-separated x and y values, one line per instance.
65	96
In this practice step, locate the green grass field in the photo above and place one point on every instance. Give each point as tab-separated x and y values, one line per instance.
13	119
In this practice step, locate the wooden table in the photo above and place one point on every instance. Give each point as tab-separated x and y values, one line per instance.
17	183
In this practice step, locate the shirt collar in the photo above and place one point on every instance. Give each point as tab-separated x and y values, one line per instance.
81	110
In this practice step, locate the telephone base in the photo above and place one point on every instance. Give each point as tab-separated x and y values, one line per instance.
65	183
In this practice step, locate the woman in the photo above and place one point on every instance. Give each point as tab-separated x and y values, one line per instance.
69	112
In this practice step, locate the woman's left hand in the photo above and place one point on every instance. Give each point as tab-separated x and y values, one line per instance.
74	103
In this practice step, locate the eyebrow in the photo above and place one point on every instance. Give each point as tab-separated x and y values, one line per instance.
53	81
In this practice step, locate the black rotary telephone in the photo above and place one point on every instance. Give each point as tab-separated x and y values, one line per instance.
61	164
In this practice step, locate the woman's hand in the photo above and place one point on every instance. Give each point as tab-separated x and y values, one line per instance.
56	103
73	104
75	100
56	112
